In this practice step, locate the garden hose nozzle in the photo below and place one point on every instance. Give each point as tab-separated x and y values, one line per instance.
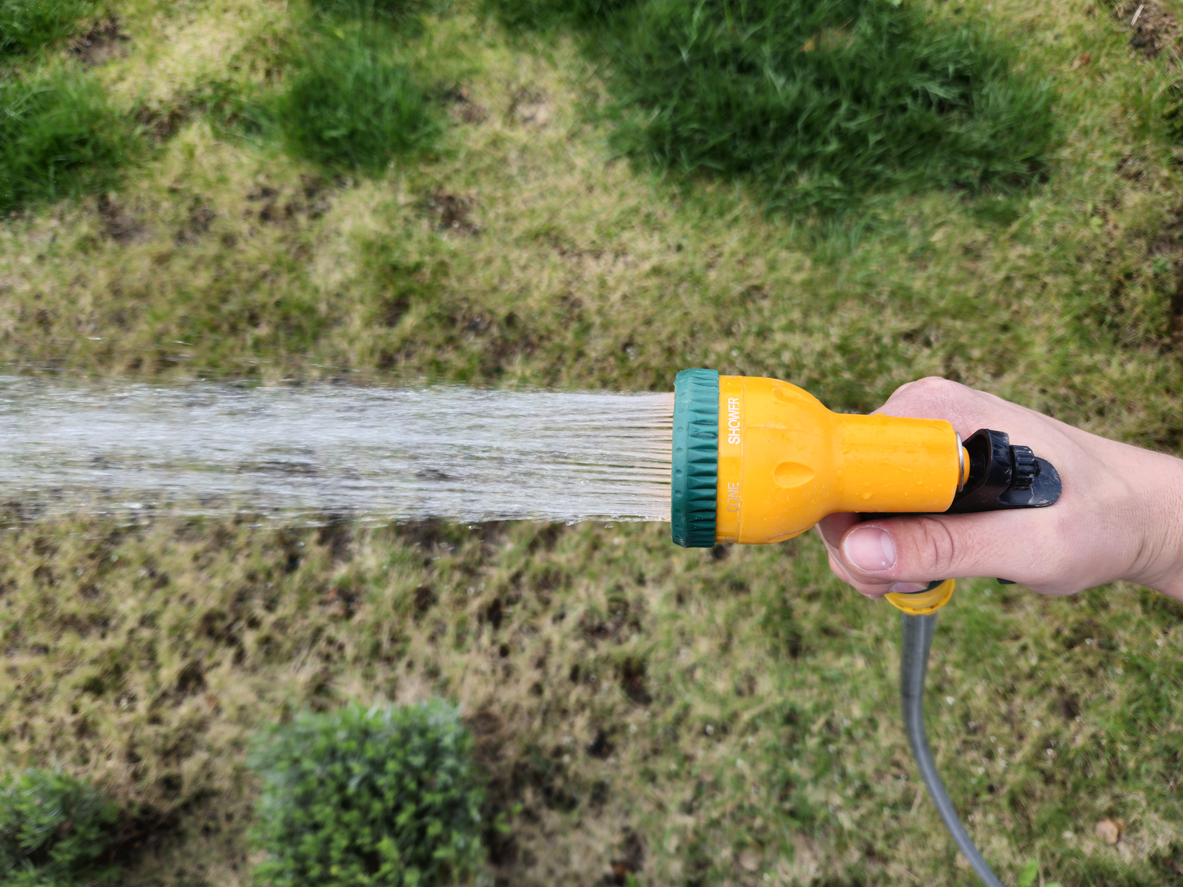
759	460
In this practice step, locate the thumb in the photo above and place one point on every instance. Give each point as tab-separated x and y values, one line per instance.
918	549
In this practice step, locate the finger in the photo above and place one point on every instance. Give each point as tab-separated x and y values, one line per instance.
968	410
919	549
832	527
838	570
872	590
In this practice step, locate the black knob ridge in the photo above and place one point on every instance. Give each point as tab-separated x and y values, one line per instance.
1024	468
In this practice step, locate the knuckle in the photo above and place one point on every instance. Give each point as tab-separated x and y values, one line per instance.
936	547
936	389
926	393
934	383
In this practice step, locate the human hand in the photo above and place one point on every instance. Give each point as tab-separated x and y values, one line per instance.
1120	515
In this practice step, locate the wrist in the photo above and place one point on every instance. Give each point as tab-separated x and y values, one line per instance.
1158	489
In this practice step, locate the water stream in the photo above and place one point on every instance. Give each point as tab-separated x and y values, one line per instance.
300	453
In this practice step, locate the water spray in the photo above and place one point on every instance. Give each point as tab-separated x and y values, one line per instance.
759	460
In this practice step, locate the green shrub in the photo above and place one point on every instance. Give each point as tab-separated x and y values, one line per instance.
58	137
54	830
26	25
387	796
818	102
351	107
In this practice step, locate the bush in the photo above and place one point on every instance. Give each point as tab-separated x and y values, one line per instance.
350	107
54	830
817	103
387	796
26	25
58	137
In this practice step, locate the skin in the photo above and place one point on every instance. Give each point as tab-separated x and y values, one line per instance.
1120	515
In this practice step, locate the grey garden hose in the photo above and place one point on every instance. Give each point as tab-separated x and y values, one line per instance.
917	637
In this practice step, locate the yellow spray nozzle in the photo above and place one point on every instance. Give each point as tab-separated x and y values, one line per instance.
785	462
758	460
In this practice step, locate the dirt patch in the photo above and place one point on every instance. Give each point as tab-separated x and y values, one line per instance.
197	222
633	672
1154	28
103	43
452	213
531	108
117	223
161	124
630	859
463	108
310	200
601	745
315	192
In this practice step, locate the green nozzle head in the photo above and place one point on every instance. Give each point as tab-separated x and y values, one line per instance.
695	471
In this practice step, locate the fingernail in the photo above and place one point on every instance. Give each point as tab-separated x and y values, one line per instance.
869	548
907	587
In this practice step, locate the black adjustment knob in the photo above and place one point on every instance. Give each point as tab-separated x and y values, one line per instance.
1024	468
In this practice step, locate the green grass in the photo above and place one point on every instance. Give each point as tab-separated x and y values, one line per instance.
58	137
365	10
26	26
613	682
819	104
352	107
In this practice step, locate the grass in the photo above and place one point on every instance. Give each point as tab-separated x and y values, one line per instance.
613	683
27	26
390	10
817	104
351	107
58	137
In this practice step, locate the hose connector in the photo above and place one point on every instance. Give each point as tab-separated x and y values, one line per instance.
922	603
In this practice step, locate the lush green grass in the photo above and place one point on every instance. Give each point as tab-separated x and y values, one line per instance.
390	10
26	25
58	137
819	104
352	107
613	682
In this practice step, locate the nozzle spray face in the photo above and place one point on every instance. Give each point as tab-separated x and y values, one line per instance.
694	473
758	460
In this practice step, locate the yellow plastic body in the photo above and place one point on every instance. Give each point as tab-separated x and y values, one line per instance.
921	603
785	462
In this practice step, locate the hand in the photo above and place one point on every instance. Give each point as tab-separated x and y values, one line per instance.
1120	515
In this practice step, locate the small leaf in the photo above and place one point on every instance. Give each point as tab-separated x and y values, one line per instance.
1029	873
